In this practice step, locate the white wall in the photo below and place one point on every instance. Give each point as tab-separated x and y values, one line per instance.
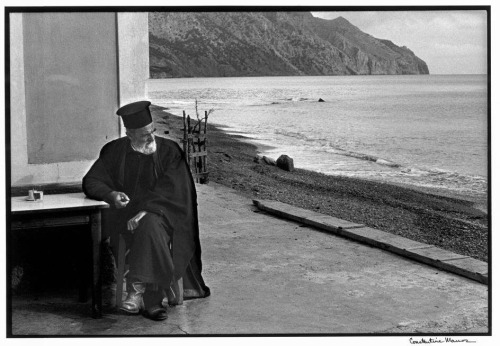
133	71
70	73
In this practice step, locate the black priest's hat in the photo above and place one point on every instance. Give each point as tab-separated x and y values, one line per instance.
135	115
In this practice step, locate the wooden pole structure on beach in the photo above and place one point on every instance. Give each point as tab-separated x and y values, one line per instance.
194	143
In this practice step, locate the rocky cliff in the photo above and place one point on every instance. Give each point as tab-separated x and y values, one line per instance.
217	44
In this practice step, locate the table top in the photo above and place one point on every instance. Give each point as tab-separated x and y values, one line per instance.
57	202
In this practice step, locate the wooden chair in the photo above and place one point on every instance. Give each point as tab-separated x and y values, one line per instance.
121	268
195	147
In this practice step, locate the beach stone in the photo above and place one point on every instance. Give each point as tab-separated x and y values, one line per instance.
264	159
285	162
268	161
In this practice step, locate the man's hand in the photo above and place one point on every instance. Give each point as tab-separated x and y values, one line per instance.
119	199
133	223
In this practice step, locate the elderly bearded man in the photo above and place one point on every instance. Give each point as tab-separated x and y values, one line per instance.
148	181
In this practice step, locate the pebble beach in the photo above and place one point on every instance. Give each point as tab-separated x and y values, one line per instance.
451	222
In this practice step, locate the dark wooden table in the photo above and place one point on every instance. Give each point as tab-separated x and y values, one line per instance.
65	210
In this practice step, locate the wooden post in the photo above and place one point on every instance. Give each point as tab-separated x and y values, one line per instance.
185	140
188	144
199	158
205	140
193	144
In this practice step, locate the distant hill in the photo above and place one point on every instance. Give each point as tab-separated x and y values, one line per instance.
218	44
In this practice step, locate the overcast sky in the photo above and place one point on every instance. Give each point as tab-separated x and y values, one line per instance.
450	42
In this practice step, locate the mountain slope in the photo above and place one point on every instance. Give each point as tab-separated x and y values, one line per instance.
214	44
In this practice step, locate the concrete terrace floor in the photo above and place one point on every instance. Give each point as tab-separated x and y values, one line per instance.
272	276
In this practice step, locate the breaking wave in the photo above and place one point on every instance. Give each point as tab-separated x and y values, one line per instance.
421	176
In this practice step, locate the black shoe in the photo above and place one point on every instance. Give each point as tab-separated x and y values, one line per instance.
155	313
152	302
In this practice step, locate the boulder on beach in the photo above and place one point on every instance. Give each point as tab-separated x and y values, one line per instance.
285	162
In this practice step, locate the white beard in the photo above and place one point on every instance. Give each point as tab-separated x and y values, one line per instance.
146	149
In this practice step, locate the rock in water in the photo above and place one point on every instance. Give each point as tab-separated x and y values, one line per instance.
321	100
285	162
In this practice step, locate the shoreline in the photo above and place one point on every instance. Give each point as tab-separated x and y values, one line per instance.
447	221
479	202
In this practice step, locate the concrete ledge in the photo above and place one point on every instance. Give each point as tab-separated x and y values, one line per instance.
327	222
311	218
384	240
428	254
449	261
469	267
286	211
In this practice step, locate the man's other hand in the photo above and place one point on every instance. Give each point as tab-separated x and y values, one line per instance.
133	223
119	199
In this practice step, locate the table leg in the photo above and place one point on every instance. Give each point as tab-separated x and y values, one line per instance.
95	226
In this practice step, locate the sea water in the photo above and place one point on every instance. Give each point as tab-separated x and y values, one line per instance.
427	130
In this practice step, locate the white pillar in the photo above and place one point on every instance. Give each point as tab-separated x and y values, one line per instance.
133	57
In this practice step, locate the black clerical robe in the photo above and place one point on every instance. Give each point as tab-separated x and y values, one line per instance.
160	184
